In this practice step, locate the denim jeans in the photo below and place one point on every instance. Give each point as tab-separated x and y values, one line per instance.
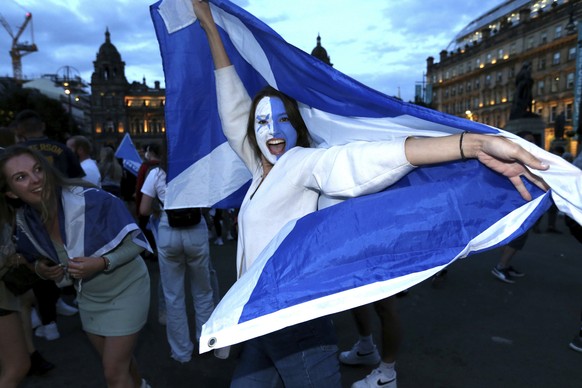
300	356
184	253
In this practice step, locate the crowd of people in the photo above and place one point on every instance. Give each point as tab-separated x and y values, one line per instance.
70	228
44	191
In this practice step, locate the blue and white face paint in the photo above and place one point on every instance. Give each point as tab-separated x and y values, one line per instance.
274	132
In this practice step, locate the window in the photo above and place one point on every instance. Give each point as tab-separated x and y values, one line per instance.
488	80
568	112
541	85
543	37
468	87
556	58
469	64
555	84
530	42
477	84
541	63
570	81
500	54
553	113
478	63
558	32
571	53
499	77
489	57
512	49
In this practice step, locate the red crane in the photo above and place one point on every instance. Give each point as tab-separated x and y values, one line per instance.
18	50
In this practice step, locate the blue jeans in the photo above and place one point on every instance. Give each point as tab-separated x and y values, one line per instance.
304	355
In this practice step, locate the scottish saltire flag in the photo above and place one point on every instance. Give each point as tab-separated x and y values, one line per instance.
359	250
127	151
110	223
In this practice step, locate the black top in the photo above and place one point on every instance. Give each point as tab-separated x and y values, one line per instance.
59	155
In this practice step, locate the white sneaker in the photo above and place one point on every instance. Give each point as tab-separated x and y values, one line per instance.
376	379
34	319
222	353
65	309
357	357
218	241
144	384
162	318
50	332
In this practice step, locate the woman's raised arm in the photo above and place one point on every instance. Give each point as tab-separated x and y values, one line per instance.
219	56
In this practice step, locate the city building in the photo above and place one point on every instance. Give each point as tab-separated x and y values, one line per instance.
119	107
476	74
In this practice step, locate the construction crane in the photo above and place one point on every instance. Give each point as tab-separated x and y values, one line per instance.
18	50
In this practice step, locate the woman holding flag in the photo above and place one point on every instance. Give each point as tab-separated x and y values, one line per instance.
76	233
288	179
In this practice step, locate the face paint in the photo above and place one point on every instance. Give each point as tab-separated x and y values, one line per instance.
274	132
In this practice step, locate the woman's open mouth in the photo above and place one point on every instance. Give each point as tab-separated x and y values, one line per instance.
276	146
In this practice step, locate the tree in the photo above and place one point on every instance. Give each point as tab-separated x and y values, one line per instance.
14	98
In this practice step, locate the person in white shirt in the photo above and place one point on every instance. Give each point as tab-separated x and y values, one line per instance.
288	178
182	252
81	146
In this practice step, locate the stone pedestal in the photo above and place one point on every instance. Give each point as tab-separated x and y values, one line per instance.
535	125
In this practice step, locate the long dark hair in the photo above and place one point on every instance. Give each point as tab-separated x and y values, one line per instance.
53	179
292	109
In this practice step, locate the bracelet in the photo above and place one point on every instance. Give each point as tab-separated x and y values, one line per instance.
463	158
36	270
107	264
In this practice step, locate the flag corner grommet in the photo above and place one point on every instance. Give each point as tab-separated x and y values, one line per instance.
212	342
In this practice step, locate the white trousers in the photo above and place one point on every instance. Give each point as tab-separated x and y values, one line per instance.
184	252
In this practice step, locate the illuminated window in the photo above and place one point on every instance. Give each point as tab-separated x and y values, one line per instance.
571	53
555	84
556	58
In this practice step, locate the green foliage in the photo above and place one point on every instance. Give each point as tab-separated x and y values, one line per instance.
14	98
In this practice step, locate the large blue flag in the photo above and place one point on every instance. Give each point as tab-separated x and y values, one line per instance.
357	251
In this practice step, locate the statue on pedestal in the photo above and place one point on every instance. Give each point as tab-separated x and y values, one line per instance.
523	97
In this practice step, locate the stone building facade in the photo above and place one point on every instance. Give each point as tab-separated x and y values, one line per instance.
119	107
475	76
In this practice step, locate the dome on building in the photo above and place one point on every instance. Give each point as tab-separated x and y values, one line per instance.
108	51
321	53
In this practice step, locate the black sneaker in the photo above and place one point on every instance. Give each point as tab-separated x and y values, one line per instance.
503	275
38	365
514	272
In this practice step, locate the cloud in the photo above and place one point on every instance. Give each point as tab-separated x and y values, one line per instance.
385	44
